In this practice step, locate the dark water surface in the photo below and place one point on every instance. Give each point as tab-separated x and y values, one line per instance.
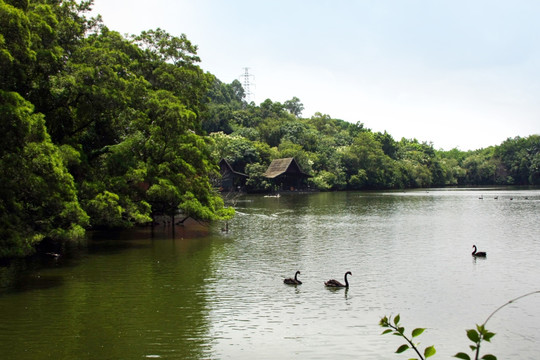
205	294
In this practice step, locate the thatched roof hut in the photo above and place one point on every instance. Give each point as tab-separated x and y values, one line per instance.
287	174
231	180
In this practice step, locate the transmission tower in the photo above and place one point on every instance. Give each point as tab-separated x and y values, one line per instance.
247	83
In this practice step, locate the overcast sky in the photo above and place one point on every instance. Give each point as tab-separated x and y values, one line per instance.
457	73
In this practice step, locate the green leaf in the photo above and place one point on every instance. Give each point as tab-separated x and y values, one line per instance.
386	331
489	357
473	335
430	351
480	328
488	335
396	319
402	348
463	356
417	332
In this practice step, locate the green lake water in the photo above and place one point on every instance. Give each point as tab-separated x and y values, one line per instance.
208	294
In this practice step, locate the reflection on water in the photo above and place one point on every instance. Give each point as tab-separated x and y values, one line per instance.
204	294
128	297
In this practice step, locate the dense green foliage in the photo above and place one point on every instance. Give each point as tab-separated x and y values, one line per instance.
341	155
99	130
103	130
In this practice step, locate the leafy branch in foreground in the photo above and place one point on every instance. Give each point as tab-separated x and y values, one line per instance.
475	335
395	328
481	333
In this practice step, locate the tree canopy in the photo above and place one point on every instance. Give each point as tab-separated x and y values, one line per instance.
101	130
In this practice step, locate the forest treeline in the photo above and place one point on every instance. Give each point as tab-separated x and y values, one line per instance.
343	156
102	130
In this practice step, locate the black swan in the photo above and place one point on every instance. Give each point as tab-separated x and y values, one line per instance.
335	283
478	254
295	281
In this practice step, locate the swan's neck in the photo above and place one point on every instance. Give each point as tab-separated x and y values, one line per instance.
474	251
346	281
296	277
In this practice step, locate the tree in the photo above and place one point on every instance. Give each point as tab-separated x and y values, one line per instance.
131	113
16	54
294	106
325	180
170	64
518	155
163	47
55	31
288	149
299	133
237	150
366	161
38	199
389	145
256	181
95	96
480	169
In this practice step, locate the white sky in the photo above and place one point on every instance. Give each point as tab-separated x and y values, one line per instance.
458	73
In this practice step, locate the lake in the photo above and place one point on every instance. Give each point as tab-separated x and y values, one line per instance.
208	294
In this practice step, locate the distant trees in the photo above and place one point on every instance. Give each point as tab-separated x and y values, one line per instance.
519	160
340	155
294	106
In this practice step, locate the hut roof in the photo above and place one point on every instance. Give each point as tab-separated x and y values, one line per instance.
225	163
282	166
